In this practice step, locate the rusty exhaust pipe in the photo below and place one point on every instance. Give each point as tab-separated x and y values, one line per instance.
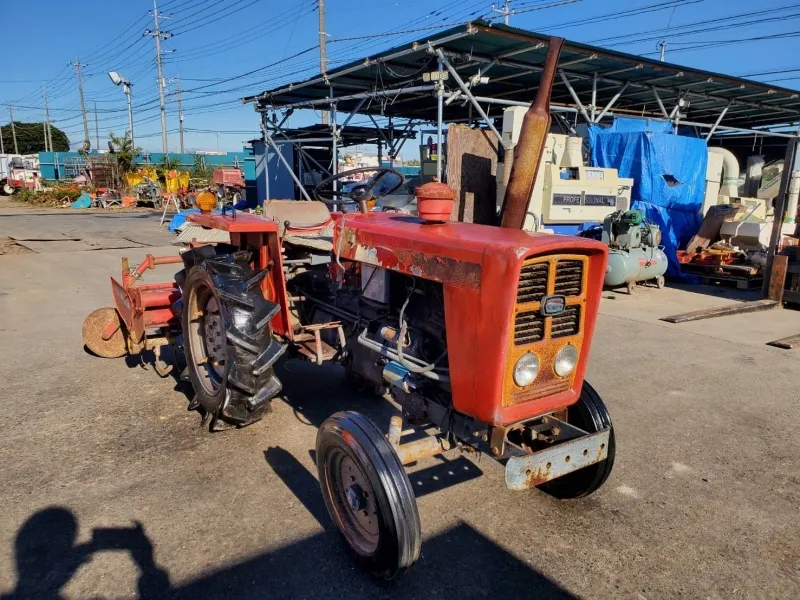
529	149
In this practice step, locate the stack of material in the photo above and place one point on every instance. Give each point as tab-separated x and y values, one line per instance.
716	260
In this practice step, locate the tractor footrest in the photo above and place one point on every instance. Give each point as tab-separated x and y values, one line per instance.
311	345
530	470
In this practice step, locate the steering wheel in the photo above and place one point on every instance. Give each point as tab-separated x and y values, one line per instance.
362	192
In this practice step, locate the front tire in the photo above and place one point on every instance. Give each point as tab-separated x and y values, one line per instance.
228	341
368	495
590	414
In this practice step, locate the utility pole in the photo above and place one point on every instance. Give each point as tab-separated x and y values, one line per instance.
505	11
323	56
48	133
44	124
13	131
180	112
159	36
86	141
96	127
663	46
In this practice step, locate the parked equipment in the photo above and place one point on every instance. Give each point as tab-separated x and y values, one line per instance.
480	333
634	252
230	185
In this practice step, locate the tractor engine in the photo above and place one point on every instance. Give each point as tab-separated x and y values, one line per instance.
394	330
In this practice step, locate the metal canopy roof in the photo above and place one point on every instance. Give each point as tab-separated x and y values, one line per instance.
352	135
512	59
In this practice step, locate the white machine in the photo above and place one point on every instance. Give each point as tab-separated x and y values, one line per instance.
567	192
752	228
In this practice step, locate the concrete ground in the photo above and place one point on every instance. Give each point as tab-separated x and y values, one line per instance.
110	488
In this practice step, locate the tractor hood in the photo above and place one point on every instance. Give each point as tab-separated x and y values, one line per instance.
451	253
485	273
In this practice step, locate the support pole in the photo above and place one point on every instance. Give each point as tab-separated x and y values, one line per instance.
594	97
660	103
718	121
44	125
49	130
13	130
469	95
611	102
159	36
575	97
439	117
300	149
180	113
96	128
780	211
283	160
323	56
127	90
334	146
86	142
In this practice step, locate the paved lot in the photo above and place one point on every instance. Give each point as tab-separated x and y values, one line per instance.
109	487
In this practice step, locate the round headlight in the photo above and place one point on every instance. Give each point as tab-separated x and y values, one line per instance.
566	359
526	369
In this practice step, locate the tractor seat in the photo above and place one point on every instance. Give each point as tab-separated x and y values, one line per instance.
309	223
300	214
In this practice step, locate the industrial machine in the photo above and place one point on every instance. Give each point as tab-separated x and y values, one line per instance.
635	252
481	334
567	194
230	185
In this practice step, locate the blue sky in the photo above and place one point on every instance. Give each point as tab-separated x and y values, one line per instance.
218	39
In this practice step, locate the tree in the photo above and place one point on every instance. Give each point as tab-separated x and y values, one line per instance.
30	138
123	151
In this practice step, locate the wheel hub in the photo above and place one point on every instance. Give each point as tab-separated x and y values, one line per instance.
356	497
357	501
214	338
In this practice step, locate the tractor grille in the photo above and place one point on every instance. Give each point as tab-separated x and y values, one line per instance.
528	328
567	323
569	277
533	282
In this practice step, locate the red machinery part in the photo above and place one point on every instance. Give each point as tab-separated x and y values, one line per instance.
435	201
228	177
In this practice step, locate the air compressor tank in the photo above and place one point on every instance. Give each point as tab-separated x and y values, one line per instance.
635	264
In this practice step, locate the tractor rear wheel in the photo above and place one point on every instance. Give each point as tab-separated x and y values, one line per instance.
230	351
590	414
368	495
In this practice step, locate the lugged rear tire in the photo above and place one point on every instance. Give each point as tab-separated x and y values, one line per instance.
230	351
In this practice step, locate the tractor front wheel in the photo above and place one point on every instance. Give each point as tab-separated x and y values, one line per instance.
590	414
368	495
228	340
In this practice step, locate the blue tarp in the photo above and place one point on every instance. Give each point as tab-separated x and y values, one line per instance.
82	201
669	174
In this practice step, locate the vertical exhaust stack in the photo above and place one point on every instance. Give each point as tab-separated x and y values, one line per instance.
529	149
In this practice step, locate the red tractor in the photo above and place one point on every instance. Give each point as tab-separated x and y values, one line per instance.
479	333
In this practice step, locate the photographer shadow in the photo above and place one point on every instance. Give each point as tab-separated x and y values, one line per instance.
47	555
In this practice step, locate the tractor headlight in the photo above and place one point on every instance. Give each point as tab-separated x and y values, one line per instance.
566	359
526	369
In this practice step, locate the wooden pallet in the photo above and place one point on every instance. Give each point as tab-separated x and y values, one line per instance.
744	277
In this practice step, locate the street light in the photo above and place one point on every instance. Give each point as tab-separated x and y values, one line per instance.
118	80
